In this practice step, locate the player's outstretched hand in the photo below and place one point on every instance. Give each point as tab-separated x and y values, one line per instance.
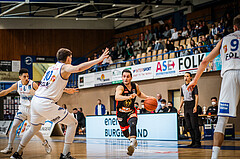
191	85
71	90
104	55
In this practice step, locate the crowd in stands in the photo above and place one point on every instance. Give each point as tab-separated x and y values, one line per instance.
194	38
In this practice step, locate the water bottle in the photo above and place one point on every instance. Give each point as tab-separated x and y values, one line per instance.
204	109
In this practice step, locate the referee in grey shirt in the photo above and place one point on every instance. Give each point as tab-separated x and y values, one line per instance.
190	100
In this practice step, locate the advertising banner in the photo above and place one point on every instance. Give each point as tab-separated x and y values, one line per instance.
117	74
190	63
103	78
142	72
86	80
108	127
165	68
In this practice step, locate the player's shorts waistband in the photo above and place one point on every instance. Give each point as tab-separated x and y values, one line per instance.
42	97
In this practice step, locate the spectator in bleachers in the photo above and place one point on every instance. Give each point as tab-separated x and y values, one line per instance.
127	40
129	52
201	49
141	40
177	52
95	55
164	108
206	41
113	53
203	29
171	108
221	30
152	44
106	62
95	67
169	45
159	44
184	32
167	33
120	47
193	46
174	34
148	38
213	31
134	61
182	51
216	39
155	33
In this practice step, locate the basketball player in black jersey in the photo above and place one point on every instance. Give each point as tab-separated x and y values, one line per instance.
125	96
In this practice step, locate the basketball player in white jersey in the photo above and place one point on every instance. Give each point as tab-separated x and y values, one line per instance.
49	92
229	49
25	89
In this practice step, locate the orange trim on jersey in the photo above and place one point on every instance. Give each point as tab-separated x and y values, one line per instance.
124	128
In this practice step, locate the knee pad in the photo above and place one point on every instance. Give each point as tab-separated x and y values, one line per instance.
126	133
133	123
221	124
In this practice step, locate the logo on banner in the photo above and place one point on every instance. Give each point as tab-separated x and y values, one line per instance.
139	70
190	62
103	78
28	60
165	67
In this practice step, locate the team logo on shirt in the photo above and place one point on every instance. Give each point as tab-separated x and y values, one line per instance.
53	78
225	48
128	103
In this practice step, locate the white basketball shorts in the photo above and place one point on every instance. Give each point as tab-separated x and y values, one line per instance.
229	94
43	109
23	113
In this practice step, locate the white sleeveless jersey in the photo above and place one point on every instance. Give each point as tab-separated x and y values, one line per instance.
52	83
24	92
230	52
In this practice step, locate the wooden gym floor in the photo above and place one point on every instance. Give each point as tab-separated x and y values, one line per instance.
99	148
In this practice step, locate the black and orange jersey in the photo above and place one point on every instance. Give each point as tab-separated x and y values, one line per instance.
127	106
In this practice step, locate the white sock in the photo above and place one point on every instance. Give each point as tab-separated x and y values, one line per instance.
66	149
215	151
10	145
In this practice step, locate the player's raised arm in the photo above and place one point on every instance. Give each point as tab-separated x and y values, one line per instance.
214	53
120	97
12	88
86	65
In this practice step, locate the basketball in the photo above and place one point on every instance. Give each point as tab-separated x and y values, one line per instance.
150	104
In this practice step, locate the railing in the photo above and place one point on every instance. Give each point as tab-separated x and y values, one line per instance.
74	77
